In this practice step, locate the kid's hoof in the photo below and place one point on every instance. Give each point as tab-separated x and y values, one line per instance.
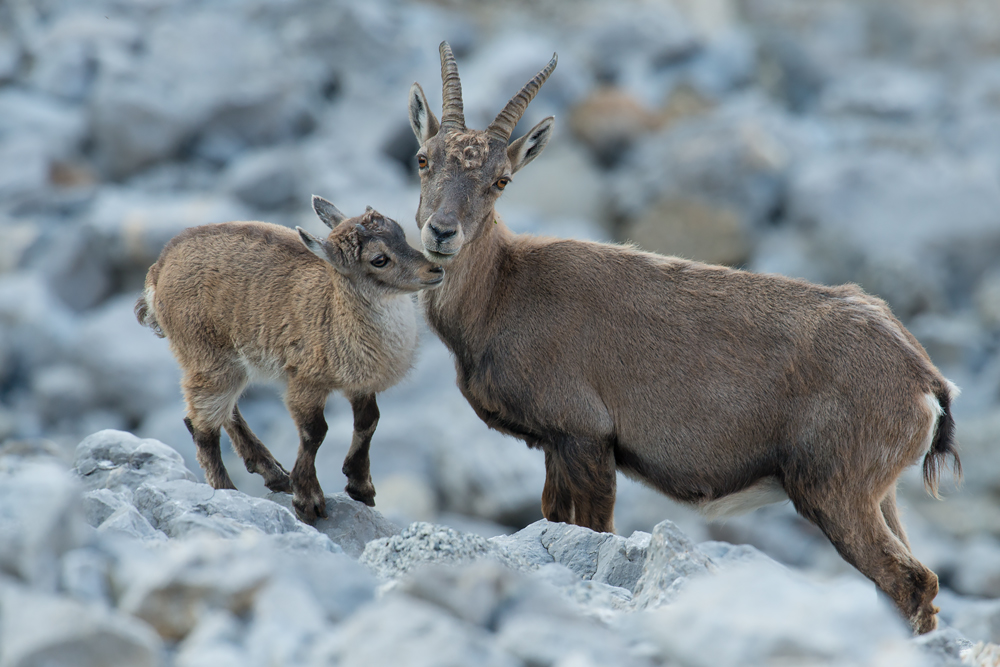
280	483
362	492
309	510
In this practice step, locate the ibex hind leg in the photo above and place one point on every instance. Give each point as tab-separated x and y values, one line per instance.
857	528
257	458
891	513
210	397
357	465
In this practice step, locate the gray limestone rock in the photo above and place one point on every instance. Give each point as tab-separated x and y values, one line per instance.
349	523
40	629
603	557
40	519
410	633
421	543
116	459
771	615
672	559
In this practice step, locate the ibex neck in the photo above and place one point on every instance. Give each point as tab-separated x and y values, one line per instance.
463	303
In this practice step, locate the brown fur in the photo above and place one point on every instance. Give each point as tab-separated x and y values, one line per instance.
243	298
699	380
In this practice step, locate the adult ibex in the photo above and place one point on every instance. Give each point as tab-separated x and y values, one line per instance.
718	387
243	298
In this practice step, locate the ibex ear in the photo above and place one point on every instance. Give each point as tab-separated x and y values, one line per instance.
324	251
425	125
527	148
327	212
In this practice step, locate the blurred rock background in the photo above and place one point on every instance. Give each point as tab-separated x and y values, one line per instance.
830	140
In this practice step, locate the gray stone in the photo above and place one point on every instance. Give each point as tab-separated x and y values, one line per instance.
174	585
349	523
217	641
208	77
885	92
724	555
286	620
39	329
671	561
182	507
593	598
126	521
770	616
411	633
131	369
421	543
117	460
39	629
494	478
875	217
62	392
99	504
40	519
978	563
603	557
944	646
266	179
134	225
975	618
84	576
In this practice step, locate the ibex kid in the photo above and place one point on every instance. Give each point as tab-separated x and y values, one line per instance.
243	298
718	387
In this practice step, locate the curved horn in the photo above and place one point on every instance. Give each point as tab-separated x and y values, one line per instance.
503	125
452	111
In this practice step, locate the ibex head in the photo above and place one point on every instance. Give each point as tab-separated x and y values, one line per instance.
463	171
371	249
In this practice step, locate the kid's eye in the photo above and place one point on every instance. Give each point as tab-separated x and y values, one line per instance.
380	261
421	162
502	183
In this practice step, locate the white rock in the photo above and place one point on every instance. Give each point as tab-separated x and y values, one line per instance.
769	615
602	557
349	523
671	561
39	629
117	460
421	543
217	641
410	633
40	518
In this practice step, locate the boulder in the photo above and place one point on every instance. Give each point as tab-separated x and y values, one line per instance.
770	615
422	543
349	523
672	559
601	557
40	519
41	629
399	630
117	460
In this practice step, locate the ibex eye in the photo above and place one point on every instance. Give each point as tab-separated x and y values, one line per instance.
502	183
380	261
421	162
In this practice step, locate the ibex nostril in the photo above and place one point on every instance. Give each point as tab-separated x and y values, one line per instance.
435	269
442	234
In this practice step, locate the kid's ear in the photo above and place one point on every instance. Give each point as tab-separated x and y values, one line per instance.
327	212
422	120
324	251
528	147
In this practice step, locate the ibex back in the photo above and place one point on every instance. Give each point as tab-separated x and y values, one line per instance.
722	388
244	298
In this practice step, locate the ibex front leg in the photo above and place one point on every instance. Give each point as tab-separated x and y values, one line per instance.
306	406
357	466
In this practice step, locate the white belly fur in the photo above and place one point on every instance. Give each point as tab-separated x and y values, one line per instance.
764	492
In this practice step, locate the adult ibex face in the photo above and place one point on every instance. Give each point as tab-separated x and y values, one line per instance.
463	171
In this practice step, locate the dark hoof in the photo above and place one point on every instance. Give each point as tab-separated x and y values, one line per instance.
310	508
282	484
363	493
